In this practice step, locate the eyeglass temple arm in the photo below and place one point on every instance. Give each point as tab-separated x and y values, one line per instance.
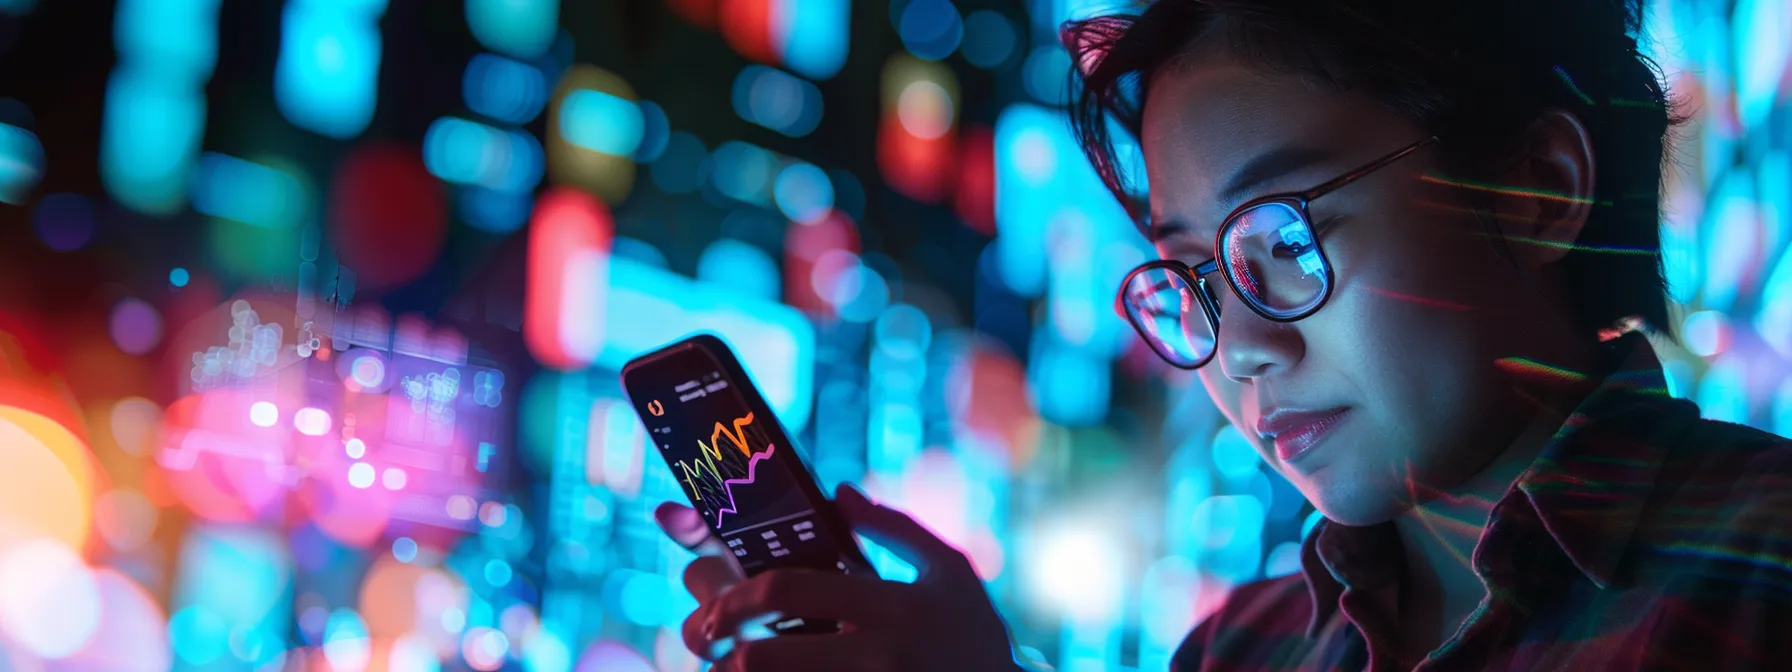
1370	167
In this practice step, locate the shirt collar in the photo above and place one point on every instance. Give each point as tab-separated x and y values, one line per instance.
1588	486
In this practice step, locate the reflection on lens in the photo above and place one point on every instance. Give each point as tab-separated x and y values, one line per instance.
1272	256
1164	307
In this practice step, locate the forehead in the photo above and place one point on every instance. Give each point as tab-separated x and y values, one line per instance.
1208	117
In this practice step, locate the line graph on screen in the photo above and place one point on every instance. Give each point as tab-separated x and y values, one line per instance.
714	474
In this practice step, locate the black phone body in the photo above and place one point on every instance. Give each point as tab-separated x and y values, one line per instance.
737	465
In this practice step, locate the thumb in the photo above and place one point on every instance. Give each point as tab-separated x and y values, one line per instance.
687	527
902	534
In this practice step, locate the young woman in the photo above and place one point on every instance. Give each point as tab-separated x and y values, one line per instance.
1408	246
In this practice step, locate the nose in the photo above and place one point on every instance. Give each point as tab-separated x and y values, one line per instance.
1251	346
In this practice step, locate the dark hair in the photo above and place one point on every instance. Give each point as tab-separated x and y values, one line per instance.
1475	72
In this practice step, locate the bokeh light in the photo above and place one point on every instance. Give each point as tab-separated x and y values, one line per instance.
64	222
136	327
594	128
387	213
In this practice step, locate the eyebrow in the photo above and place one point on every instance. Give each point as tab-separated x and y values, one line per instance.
1259	170
1268	166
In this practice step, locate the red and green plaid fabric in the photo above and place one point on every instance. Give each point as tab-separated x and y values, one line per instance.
1643	538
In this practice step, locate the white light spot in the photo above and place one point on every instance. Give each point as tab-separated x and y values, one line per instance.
312	421
393	479
264	414
360	475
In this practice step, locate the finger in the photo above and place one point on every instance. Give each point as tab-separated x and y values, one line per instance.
705	647
707	576
685	526
897	531
801	652
809	594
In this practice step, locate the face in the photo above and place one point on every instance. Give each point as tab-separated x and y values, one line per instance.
1388	396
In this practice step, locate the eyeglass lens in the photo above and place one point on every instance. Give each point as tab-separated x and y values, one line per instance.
1270	255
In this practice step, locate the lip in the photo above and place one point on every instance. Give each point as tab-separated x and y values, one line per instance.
1297	431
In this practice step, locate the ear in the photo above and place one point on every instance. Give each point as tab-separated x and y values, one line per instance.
1554	174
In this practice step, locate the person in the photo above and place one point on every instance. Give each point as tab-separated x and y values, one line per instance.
1410	247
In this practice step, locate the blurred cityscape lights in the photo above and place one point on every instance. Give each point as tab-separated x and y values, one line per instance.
969	408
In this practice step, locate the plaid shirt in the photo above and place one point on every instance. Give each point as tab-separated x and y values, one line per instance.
1642	538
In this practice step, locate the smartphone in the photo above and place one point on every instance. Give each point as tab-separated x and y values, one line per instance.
737	465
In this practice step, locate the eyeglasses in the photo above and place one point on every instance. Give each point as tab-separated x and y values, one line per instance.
1269	254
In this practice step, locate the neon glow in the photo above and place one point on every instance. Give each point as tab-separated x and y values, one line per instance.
776	100
601	122
244	191
808	36
155	101
564	295
327	78
470	153
516	28
781	340
505	90
21	163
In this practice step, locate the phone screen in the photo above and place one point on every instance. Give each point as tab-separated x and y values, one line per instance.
733	462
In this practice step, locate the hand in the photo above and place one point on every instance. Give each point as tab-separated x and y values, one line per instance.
943	621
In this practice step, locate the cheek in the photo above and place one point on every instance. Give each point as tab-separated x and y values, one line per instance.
1229	395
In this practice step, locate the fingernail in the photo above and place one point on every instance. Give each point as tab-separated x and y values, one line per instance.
709	629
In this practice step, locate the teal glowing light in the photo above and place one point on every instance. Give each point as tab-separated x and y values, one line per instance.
815	40
744	172
244	191
154	116
741	266
1233	456
327	78
803	192
516	28
179	277
503	89
601	122
149	136
21	163
776	342
198	635
777	100
470	153
930	29
989	39
498	573
1072	384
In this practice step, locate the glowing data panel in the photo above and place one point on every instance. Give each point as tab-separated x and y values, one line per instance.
569	252
774	341
327	78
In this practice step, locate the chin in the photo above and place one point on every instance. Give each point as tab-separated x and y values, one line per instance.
1354	500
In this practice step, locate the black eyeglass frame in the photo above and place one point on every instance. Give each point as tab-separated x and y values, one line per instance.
1196	276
